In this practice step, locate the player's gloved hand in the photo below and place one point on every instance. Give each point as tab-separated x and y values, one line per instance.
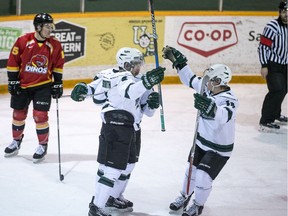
153	77
175	56
79	92
153	100
14	87
206	105
57	89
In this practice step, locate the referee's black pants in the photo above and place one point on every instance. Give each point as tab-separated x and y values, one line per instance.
277	86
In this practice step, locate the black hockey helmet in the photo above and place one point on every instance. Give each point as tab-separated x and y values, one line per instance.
42	18
282	6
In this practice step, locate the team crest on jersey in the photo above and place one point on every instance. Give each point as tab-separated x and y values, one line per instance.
37	64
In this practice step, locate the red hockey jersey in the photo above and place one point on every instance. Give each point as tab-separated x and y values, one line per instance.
35	62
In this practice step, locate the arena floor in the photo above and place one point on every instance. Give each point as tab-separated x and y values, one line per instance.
253	183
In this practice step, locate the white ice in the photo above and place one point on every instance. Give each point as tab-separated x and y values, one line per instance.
253	183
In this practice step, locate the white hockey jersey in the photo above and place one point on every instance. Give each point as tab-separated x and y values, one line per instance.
116	90
214	134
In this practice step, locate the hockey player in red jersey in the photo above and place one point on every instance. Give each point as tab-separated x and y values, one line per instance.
34	70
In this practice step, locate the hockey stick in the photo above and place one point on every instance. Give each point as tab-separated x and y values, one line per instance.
205	79
151	4
61	176
86	95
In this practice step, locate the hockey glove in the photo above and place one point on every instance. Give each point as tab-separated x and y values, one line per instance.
153	77
57	89
206	105
14	87
153	100
79	92
176	57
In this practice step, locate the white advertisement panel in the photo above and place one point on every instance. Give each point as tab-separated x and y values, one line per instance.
207	40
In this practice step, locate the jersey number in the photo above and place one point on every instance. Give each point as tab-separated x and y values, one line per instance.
230	104
15	50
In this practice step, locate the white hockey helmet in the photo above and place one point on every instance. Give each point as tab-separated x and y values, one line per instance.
219	71
127	58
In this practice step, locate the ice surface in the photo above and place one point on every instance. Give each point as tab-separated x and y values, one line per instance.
253	183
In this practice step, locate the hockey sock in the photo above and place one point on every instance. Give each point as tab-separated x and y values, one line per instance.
192	181
203	187
104	186
18	123
121	183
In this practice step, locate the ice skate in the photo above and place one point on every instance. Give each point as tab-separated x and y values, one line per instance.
193	210
40	153
282	120
13	148
114	204
127	202
269	128
95	210
179	204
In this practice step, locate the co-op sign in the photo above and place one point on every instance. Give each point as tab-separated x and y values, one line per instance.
207	38
72	38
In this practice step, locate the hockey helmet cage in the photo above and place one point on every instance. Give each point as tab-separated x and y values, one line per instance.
219	71
127	58
42	18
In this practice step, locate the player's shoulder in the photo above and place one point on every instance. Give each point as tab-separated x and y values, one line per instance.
228	94
54	39
110	72
26	36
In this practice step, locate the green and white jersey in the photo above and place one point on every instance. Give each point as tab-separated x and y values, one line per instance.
121	91
214	134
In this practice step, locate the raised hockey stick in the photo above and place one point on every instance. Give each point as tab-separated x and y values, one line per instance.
205	79
61	176
151	4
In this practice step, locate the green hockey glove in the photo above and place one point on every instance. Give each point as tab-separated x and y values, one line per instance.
153	100
153	77
175	56
206	105
79	92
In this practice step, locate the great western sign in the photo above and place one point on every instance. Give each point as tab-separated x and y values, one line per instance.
72	38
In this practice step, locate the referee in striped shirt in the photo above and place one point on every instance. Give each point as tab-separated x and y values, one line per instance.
273	56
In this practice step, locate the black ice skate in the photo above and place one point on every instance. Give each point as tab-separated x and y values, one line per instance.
95	210
180	203
282	120
114	204
13	148
269	127
127	202
193	210
40	153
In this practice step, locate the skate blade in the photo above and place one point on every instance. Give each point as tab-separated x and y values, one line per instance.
177	212
281	123
8	155
36	161
268	130
115	210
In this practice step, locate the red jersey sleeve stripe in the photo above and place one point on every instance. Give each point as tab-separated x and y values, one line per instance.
265	41
12	69
58	70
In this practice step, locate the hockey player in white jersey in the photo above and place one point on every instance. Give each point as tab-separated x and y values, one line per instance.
215	132
149	102
120	95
